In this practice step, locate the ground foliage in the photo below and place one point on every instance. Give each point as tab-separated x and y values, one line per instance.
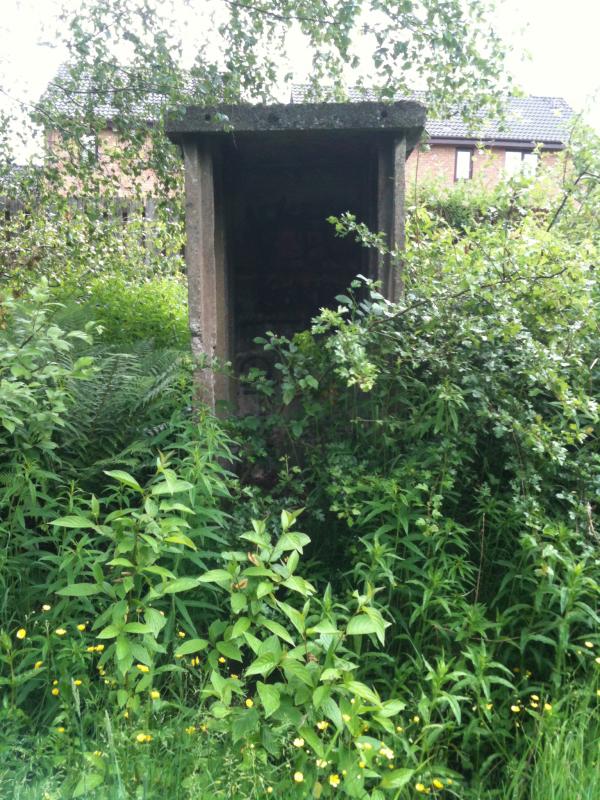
168	628
385	583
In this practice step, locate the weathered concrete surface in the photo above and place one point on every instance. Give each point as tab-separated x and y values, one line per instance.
406	116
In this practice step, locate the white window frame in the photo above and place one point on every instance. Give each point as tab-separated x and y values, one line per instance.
460	174
520	162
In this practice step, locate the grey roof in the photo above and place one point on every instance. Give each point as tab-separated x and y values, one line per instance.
532	119
73	98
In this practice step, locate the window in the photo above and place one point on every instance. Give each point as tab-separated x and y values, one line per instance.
463	169
520	162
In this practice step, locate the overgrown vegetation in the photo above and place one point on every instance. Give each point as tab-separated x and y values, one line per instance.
382	585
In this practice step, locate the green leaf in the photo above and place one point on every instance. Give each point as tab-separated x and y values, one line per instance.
277	629
219	576
137	627
74	521
263	665
124	477
297	584
181	585
397	779
87	783
110	632
229	650
191	646
269	697
361	625
240	627
79	590
180	538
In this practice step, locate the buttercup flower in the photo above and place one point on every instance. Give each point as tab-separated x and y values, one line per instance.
155	694
21	633
77	682
298	742
55	691
515	709
597	659
60	631
46	607
81	627
589	645
362	764
99	648
346	717
334	780
181	634
547	707
416	719
249	702
420	787
535	697
60	729
437	783
190	730
142	668
222	660
322	725
298	777
38	664
385	751
321	763
143	738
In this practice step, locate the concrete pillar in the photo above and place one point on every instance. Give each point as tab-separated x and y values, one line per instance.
206	270
391	166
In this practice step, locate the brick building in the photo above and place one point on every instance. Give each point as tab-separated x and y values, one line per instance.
535	129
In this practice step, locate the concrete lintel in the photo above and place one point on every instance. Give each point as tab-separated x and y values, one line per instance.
390	213
245	118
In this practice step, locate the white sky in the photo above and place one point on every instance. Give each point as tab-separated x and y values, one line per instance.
555	49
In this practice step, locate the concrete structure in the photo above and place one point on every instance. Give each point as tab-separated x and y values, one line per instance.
260	182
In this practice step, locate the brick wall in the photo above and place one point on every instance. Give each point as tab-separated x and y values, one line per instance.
438	163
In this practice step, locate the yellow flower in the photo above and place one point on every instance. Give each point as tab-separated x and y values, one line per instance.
155	694
60	729
21	633
385	751
533	704
535	697
234	677
362	764
126	714
98	753
191	729
589	645
515	709
99	648
55	682
597	692
367	746
142	668
597	659
60	631
322	725
249	702
269	790
143	738
346	717
91	649
298	742
437	783
489	706
77	682
55	691
420	787
46	607
547	707
334	780
416	719
399	728
298	777
321	763
181	634
38	664
81	627
222	660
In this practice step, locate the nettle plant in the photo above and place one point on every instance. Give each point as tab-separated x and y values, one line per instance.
291	690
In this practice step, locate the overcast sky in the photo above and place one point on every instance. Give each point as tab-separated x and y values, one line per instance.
555	49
